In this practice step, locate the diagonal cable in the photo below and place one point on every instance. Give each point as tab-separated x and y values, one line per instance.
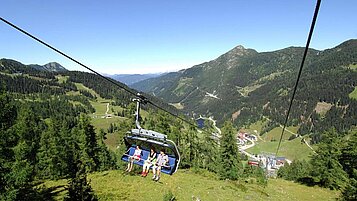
93	71
300	70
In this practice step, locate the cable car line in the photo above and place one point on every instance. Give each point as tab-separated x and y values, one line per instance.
145	100
93	71
312	27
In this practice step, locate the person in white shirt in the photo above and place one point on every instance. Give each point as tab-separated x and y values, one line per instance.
162	159
136	156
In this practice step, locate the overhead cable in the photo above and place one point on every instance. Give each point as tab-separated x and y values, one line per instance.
312	27
93	71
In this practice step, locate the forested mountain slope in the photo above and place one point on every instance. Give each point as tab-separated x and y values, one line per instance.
49	130
244	85
54	125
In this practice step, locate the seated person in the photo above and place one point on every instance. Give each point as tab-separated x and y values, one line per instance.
149	162
136	156
162	159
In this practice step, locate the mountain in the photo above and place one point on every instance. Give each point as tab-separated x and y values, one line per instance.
130	79
54	66
27	79
245	85
51	67
13	66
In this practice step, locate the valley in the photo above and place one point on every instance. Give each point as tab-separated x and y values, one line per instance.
73	103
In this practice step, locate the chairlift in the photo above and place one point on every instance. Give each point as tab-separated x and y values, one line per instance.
148	139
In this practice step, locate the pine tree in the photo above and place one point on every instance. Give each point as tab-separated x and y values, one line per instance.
349	163
52	153
209	152
79	188
18	146
8	115
105	158
88	143
229	157
327	170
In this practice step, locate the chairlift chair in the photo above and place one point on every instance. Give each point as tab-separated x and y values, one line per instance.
148	139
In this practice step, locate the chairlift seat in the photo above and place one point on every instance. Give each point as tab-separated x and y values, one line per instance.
167	169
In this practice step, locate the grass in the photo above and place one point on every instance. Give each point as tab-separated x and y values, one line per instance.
353	66
187	185
276	133
353	94
103	123
246	90
322	108
61	78
268	142
100	108
177	105
80	86
292	149
257	126
182	86
112	140
73	93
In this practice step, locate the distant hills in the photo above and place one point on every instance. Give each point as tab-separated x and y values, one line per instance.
13	66
54	79
130	79
245	85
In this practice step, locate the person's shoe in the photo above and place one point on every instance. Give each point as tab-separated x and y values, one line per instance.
142	173
157	178
154	177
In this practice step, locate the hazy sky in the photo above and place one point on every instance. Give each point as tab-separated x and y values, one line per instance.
137	36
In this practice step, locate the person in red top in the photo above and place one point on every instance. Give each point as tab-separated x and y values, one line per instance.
136	156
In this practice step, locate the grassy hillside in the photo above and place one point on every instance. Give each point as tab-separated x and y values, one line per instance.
251	84
268	142
187	185
292	150
353	94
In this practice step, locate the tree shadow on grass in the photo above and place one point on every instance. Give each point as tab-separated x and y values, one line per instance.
41	193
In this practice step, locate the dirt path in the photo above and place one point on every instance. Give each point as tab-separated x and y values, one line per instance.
106	112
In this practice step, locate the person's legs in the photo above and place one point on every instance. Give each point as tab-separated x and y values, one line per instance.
154	171
131	163
158	173
131	166
128	167
145	168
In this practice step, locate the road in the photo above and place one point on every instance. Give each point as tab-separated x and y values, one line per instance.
106	112
219	132
243	148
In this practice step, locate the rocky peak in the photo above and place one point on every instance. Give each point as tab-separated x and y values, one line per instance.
54	66
239	51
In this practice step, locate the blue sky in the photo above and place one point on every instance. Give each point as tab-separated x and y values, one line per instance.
137	36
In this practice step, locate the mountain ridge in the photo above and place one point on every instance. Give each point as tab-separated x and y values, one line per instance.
257	84
13	66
